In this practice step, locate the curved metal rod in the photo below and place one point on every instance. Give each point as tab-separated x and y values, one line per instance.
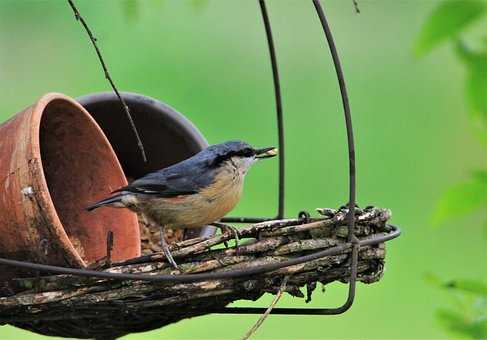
280	125
277	93
351	161
304	311
188	278
346	109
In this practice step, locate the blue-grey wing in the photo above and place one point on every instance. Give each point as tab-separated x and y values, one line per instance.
185	178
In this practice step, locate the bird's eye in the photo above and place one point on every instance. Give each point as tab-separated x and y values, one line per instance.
248	152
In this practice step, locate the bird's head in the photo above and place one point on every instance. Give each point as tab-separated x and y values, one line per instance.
239	154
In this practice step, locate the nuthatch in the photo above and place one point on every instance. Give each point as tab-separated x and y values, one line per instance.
195	192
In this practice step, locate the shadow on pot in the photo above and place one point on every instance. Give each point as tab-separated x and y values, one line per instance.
168	136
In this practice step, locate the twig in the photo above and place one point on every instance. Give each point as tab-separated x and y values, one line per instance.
79	18
185	278
355	5
264	316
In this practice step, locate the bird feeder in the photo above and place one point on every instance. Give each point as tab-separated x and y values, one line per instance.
276	253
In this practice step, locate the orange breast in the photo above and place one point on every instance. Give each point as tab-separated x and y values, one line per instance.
205	207
221	197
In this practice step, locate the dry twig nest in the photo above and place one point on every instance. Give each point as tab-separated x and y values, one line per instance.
150	238
65	305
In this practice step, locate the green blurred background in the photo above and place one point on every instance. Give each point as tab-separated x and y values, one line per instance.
209	60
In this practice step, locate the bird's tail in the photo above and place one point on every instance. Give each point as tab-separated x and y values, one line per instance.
107	201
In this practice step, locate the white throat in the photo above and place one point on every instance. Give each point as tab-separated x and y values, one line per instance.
243	164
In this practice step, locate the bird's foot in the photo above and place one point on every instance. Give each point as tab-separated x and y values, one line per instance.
166	251
170	259
225	228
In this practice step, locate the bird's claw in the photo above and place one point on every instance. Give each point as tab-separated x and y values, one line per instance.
170	259
228	229
166	251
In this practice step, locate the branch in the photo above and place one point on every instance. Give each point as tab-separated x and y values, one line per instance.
356	7
268	311
79	18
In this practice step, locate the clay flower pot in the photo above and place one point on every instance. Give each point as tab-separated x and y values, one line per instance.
168	136
54	161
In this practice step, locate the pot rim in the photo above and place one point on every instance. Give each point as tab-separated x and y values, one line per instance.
45	200
177	118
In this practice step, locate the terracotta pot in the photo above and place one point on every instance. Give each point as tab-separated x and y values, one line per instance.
54	161
168	136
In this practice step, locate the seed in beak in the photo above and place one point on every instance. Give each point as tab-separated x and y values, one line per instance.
266	152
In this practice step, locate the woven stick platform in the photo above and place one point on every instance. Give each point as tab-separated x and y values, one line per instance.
86	307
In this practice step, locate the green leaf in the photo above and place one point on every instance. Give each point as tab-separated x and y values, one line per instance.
130	10
477	93
457	324
452	321
476	85
463	198
447	21
433	279
476	287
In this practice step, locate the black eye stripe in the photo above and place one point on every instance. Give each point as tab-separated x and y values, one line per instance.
247	152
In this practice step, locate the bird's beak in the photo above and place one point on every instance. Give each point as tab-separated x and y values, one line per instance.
266	152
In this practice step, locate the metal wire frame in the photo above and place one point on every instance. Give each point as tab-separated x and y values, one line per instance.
352	239
352	245
188	278
280	126
351	160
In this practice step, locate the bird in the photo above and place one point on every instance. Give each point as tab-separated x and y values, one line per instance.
195	192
